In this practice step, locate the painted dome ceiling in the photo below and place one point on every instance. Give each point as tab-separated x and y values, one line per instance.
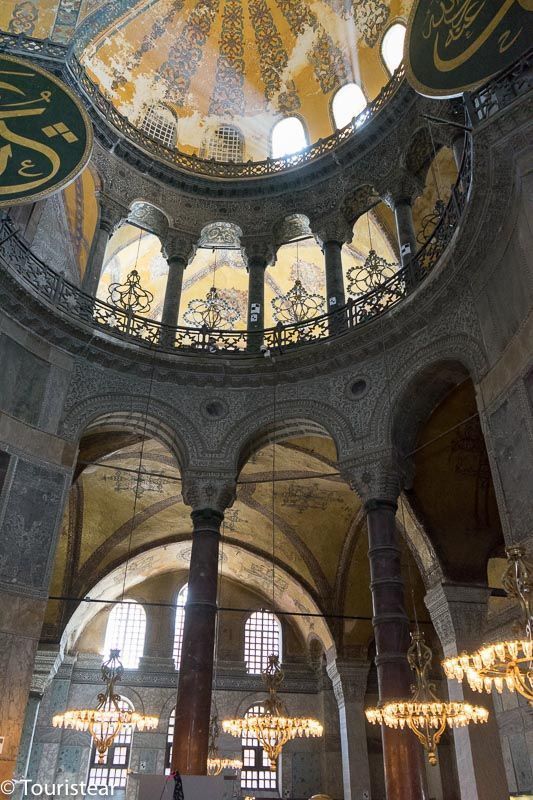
244	62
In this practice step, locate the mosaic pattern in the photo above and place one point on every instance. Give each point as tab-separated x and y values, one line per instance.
370	18
24	17
186	54
228	96
272	53
329	63
66	20
298	15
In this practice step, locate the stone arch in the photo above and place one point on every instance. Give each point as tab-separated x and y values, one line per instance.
238	564
422	149
359	201
293	418
220	234
418	384
129	413
292	226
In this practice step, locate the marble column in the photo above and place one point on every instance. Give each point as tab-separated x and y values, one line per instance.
402	754
349	679
111	215
259	255
458	613
332	233
403	214
178	250
31	508
208	499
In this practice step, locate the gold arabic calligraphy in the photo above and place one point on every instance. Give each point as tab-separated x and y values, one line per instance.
454	20
13	110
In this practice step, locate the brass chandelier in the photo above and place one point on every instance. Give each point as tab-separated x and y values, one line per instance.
509	663
215	763
274	727
108	718
425	714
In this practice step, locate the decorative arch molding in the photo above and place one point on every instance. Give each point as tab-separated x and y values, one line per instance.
148	217
294	418
238	564
129	412
418	384
421	547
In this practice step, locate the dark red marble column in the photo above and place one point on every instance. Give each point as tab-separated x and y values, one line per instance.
193	707
402	754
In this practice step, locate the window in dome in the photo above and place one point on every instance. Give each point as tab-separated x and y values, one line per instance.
160	124
178	626
392	47
262	638
125	631
256	772
170	741
348	103
288	137
114	770
225	143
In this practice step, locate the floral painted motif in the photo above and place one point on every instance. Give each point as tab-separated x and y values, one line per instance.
273	57
228	95
66	20
24	18
370	18
298	15
329	63
149	40
288	100
186	54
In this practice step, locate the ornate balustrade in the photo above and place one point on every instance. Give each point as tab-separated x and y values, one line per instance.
500	92
17	259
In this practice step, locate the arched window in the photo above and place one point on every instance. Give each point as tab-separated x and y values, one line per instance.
256	772
288	137
392	46
114	771
225	143
178	625
125	631
262	638
160	124
348	103
170	741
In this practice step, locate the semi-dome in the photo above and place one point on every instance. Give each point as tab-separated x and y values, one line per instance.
213	77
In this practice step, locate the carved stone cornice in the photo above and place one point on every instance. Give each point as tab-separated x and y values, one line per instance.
334	228
208	490
349	680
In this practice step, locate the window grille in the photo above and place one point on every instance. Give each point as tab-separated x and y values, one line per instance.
256	772
225	143
126	629
159	124
178	626
262	638
114	771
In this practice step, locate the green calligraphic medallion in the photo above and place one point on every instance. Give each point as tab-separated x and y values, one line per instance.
455	45
45	134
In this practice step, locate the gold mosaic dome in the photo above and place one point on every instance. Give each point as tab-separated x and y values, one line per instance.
181	69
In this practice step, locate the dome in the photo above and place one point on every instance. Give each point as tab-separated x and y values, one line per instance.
213	77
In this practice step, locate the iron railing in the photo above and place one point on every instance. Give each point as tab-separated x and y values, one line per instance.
18	260
501	91
222	169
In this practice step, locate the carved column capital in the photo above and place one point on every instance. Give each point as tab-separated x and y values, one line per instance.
258	252
403	188
208	490
378	479
112	214
178	246
349	680
458	612
45	667
333	228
